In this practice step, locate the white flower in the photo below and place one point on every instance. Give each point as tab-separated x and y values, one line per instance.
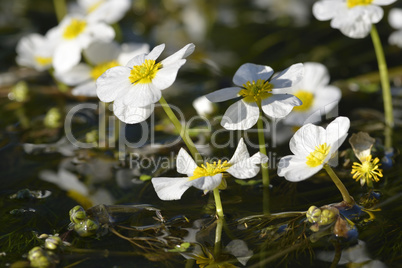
73	35
109	11
135	87
209	176
35	51
352	17
257	92
102	56
317	96
395	20
313	147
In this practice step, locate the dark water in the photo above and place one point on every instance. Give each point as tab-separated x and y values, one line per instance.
140	230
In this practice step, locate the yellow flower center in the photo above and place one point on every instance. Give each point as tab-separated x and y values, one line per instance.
95	6
367	171
75	28
210	169
353	3
43	60
99	69
317	157
307	99
256	91
144	73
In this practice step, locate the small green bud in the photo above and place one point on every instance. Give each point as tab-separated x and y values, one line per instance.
77	214
87	227
327	216
53	242
38	257
313	214
19	93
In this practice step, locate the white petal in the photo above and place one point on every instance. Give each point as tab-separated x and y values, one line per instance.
354	27
76	75
65	180
315	77
336	130
110	11
240	115
251	72
395	18
129	114
66	55
101	31
249	167
223	94
306	139
113	82
185	163
208	183
374	13
170	188
136	61
326	9
87	89
141	95
166	76
155	52
383	2
279	105
295	169
181	54
240	154
100	52
288	77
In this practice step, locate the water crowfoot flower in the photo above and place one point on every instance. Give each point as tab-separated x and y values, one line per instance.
314	148
368	169
353	18
258	92
207	176
134	88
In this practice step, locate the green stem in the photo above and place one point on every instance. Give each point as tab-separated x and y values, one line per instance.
264	166
183	133
193	150
345	194
60	9
263	150
218	238
382	66
218	203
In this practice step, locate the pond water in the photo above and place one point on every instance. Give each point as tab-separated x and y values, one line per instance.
45	174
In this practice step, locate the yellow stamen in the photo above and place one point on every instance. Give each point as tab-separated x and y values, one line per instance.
210	169
99	69
317	157
256	91
144	73
353	3
75	28
367	171
43	60
307	99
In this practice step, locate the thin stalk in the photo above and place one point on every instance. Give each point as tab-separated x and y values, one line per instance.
345	194
183	133
264	166
102	124
382	67
60	8
263	150
193	150
218	238
218	203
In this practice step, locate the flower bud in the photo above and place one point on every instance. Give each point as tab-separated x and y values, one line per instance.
87	227
313	214
77	214
38	257
53	242
327	216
